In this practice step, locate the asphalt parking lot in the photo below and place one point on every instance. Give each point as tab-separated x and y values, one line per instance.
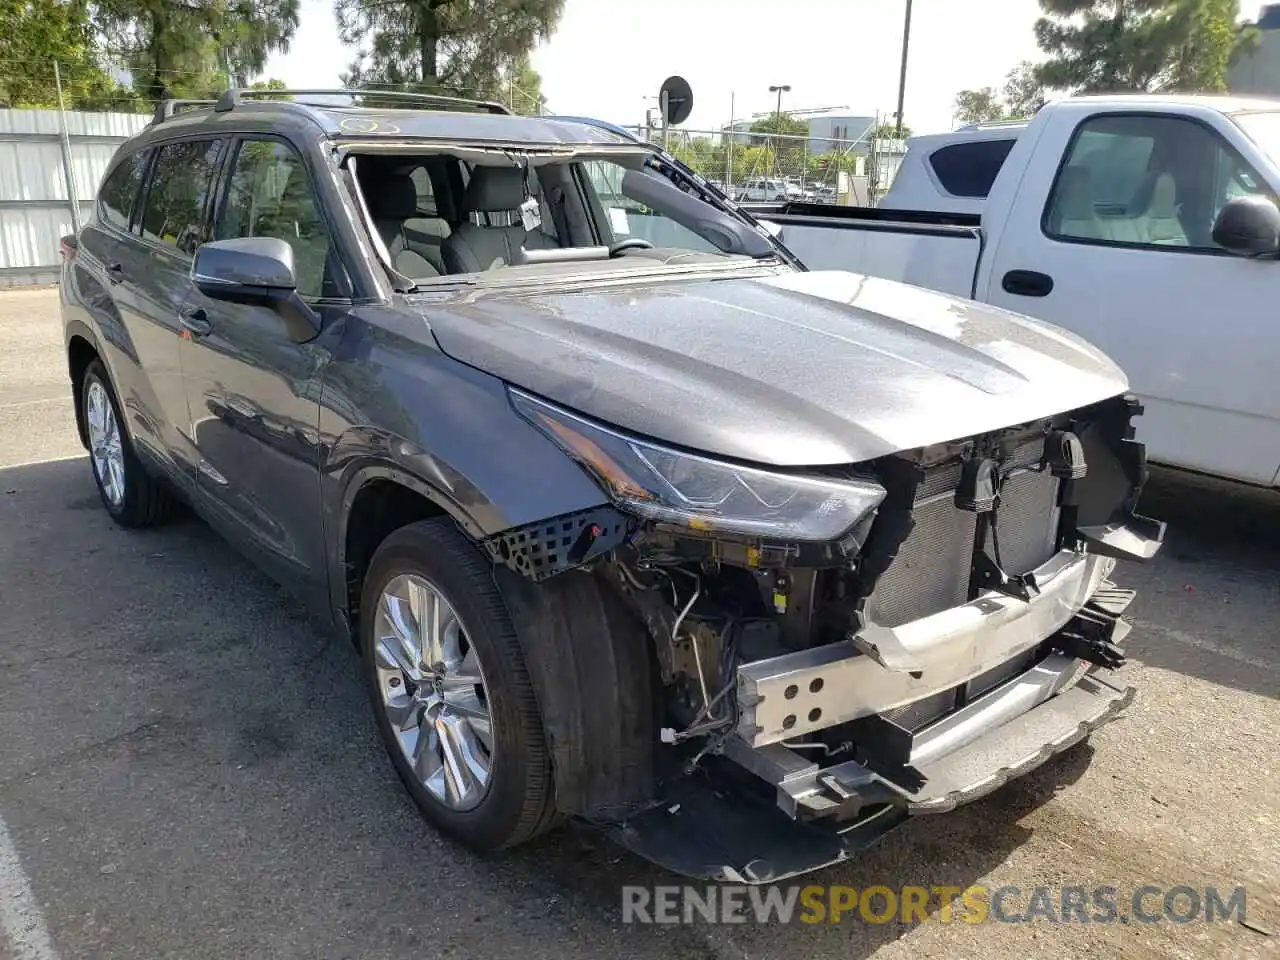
188	767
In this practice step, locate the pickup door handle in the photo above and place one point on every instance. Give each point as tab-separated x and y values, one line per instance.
115	272
196	321
1027	283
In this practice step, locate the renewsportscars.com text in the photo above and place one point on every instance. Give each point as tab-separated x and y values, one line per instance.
974	904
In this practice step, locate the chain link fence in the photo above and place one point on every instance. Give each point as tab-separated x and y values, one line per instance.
767	167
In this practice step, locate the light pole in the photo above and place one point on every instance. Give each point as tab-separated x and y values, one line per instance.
902	71
779	89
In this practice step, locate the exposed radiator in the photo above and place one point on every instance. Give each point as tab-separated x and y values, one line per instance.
931	571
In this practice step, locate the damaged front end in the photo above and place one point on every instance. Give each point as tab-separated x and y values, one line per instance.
827	653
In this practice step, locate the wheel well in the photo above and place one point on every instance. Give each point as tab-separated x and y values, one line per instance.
380	508
80	354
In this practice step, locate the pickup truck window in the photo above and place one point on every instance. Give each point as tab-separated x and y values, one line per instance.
1147	181
969	169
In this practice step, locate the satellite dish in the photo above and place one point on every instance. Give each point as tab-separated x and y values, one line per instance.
676	97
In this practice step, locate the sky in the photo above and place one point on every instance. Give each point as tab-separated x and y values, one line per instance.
607	56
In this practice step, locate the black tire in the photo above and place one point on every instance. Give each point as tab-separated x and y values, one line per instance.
147	501
520	801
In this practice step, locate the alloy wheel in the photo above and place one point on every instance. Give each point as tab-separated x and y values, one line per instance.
105	445
433	691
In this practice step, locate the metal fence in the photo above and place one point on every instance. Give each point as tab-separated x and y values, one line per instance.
768	167
51	163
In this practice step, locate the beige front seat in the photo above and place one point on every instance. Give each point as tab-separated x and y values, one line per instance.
1161	223
1073	213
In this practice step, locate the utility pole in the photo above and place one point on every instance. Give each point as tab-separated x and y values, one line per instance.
902	72
779	89
728	151
64	140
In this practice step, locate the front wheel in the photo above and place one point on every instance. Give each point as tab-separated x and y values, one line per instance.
450	689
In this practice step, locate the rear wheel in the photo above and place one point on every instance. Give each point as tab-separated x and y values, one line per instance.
131	495
451	691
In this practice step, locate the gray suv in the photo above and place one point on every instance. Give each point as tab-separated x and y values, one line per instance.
630	517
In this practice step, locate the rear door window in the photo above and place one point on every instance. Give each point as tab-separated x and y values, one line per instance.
119	191
181	182
969	169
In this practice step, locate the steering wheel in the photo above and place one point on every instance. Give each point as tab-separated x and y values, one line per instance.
631	243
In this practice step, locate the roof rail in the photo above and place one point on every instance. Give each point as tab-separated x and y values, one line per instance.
233	98
168	107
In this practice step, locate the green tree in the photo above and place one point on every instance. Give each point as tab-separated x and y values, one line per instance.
1022	96
699	154
523	92
38	32
786	156
779	123
1138	45
194	48
459	46
887	130
978	106
1023	91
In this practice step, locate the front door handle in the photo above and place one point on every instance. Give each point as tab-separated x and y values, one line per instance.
115	272
1027	283
196	321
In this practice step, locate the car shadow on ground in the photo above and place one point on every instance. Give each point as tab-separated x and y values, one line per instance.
955	850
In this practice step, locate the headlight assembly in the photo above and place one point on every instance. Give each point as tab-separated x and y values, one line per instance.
676	487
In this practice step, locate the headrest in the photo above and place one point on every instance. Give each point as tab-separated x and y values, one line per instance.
1075	194
1164	197
493	189
392	197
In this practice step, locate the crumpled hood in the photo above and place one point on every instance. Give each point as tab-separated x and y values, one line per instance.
801	369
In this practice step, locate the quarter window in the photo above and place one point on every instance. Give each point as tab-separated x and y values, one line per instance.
180	185
269	195
1146	181
119	191
969	169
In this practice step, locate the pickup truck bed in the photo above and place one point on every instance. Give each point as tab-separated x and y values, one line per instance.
894	244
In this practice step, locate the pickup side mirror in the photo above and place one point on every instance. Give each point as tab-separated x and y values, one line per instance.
255	270
1249	227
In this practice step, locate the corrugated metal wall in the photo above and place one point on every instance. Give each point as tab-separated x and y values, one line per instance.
34	207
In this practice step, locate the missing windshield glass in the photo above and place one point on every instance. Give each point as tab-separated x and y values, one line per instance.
460	210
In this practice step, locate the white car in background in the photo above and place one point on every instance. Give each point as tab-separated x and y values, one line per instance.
767	190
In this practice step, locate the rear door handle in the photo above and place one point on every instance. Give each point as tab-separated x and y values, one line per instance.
195	320
1027	283
115	272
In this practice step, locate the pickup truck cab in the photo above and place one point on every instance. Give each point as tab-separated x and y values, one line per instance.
1105	215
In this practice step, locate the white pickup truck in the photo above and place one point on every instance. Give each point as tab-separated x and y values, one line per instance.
1148	225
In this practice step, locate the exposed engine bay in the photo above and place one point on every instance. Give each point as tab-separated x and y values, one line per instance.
892	670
